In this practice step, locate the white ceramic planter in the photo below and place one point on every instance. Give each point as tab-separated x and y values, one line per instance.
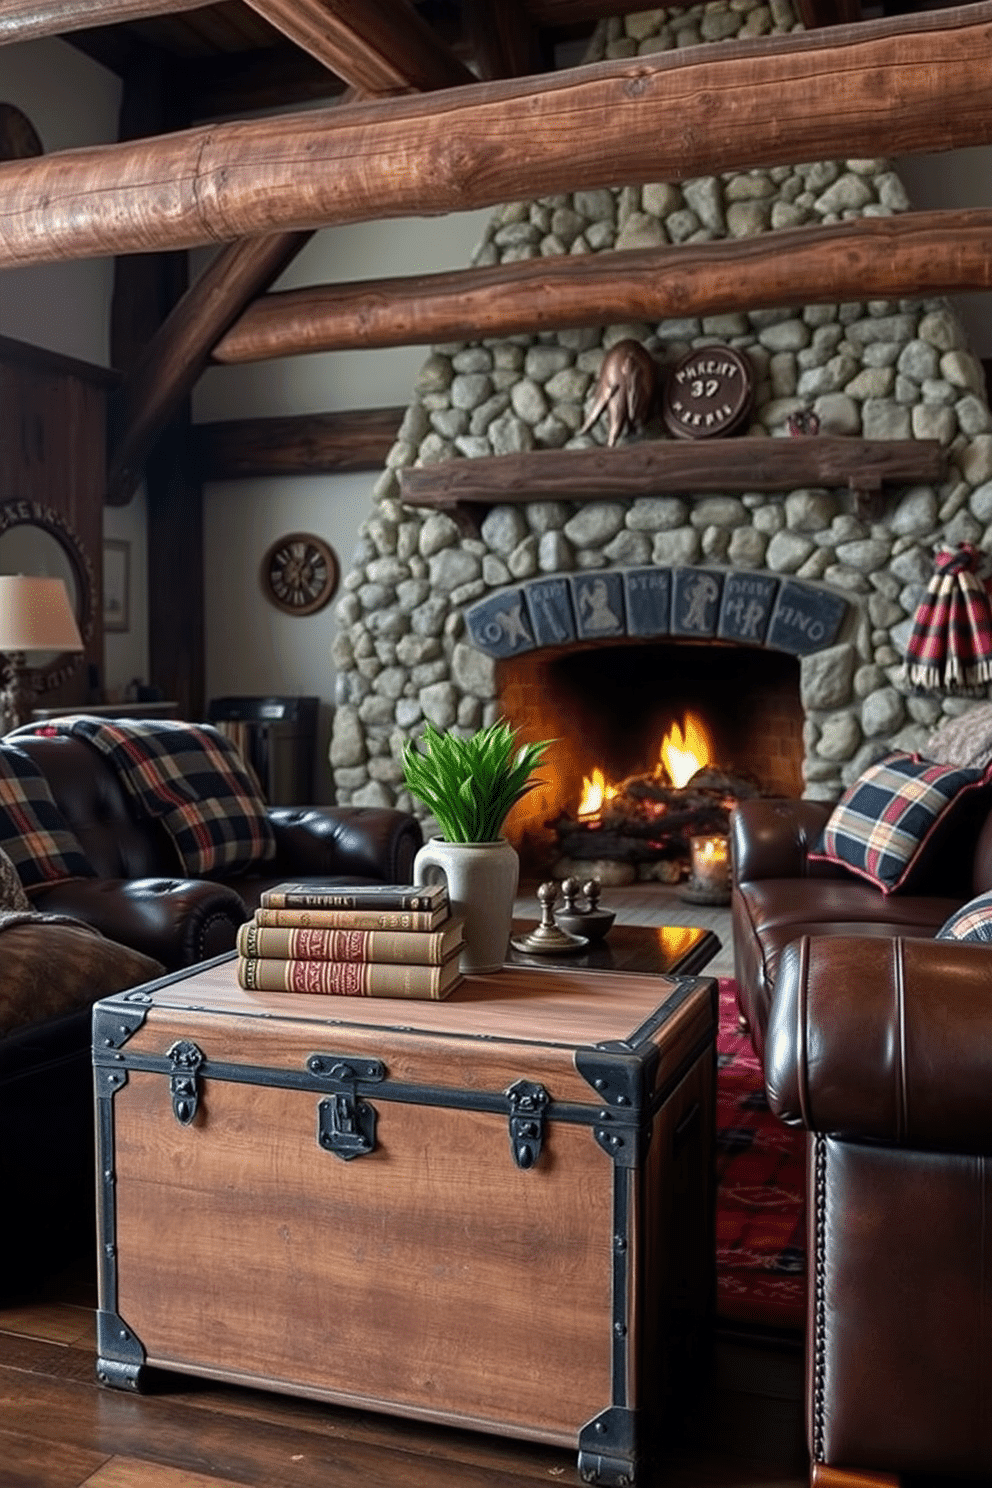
482	882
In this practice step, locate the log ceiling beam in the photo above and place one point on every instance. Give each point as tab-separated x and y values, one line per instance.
303	444
176	355
240	83
25	20
913	85
502	37
376	46
372	48
874	258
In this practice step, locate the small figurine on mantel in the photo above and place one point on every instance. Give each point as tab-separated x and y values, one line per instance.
625	388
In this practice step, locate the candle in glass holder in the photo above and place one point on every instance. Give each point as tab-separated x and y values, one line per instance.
711	864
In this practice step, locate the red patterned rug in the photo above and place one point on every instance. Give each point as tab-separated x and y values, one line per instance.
760	1204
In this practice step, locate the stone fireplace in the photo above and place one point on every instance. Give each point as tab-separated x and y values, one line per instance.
783	616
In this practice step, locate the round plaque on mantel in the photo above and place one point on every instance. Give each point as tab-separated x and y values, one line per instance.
709	392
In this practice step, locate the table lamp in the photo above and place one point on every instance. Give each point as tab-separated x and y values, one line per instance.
35	615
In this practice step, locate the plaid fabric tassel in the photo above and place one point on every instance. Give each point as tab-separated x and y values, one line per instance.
950	645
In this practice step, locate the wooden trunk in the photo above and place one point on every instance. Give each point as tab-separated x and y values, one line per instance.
494	1211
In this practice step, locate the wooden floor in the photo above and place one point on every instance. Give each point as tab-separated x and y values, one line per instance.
742	1426
60	1429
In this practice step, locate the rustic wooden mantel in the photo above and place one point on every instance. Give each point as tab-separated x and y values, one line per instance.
670	466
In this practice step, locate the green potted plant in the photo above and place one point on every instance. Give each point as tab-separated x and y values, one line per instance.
469	785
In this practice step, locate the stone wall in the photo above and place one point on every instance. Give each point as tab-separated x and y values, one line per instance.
881	370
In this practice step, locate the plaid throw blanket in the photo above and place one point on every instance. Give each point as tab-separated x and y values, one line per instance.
950	645
192	779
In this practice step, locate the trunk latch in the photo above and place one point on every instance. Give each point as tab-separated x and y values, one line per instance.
528	1103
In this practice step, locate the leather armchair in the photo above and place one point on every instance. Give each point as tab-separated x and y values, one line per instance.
880	1049
779	895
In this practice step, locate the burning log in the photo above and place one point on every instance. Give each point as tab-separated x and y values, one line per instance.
646	818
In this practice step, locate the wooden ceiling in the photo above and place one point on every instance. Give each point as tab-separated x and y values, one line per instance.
446	105
237	56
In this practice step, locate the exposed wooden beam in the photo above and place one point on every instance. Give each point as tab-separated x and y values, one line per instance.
240	83
378	46
567	12
502	36
658	465
828	12
178	352
307	444
873	258
916	84
24	20
392	45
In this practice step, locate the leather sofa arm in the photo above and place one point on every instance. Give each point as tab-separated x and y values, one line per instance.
179	921
885	1040
363	842
770	838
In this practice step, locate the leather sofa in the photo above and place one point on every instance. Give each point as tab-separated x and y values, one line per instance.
878	1046
780	895
140	897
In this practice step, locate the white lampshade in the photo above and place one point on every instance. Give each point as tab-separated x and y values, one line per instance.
35	615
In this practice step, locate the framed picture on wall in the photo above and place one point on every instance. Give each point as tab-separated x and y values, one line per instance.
116	584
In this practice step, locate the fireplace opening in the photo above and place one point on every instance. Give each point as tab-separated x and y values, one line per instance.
610	709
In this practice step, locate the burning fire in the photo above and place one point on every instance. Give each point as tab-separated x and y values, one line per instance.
594	793
683	753
685	749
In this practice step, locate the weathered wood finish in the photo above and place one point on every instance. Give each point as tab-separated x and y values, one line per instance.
52	452
502	37
177	353
658	465
898	87
307	444
512	1006
61	1429
25	20
380	48
389	1279
432	1277
919	253
176	572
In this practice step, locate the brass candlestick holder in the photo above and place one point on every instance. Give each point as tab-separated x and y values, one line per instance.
548	939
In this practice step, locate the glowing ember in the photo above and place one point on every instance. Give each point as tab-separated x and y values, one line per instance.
594	793
682	753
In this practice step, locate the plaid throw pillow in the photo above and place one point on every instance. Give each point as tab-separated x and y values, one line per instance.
973	921
33	832
880	825
194	781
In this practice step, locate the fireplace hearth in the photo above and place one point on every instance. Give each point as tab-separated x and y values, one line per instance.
669	734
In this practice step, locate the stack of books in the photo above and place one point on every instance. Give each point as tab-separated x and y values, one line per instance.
380	940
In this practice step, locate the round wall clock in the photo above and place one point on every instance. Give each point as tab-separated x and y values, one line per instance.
300	573
708	392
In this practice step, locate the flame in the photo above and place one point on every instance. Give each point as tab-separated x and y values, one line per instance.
595	792
684	750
